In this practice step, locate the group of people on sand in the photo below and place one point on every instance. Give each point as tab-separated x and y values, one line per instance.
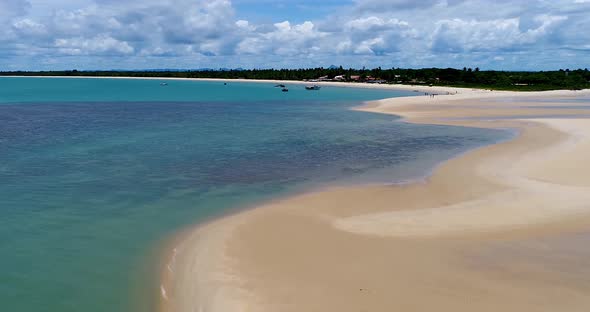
435	94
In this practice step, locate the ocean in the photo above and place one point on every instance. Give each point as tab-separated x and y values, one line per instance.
95	174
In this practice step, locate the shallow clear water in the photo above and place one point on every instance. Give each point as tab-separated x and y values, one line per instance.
94	173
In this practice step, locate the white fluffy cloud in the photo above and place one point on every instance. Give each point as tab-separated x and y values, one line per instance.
459	35
374	24
101	44
210	33
282	40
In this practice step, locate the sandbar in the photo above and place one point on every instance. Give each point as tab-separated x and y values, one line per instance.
504	227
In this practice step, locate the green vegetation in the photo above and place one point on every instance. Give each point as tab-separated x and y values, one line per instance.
466	77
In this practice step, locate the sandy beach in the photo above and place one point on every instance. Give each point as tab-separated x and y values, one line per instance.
501	228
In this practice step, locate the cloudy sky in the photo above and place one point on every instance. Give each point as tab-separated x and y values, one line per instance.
143	34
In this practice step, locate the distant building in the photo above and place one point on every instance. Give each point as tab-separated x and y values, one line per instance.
355	78
379	81
340	78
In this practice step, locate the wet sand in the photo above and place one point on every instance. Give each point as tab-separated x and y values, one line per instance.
501	228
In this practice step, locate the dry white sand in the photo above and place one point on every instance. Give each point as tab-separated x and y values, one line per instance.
501	228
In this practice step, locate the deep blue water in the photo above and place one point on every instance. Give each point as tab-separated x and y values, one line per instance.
95	173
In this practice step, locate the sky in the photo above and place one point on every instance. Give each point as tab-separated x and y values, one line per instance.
191	34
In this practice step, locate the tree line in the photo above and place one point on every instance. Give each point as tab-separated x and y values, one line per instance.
465	77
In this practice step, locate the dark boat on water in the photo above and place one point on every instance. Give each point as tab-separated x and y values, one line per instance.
285	90
314	87
280	86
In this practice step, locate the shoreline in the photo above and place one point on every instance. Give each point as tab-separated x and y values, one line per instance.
398	87
443	90
219	283
456	92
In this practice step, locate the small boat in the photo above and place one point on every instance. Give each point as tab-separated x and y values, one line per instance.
164	84
314	87
285	90
280	86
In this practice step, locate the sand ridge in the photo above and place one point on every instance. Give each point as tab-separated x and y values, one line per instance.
501	228
528	200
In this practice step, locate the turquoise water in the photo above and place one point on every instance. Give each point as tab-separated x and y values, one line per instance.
95	173
48	90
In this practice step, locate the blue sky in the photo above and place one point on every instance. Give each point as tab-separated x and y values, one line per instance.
143	34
